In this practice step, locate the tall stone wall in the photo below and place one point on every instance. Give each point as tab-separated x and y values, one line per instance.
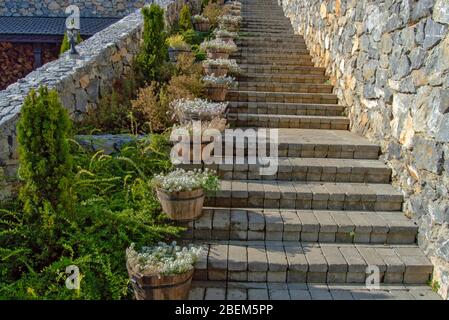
80	82
105	8
389	63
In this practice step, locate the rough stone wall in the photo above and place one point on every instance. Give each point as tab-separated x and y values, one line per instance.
105	8
389	63
17	60
80	82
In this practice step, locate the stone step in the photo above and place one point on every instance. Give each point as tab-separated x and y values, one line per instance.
273	86
273	55
268	50
287	108
257	43
317	143
300	195
307	169
223	290
288	121
288	97
275	61
303	225
284	69
279	39
303	169
293	262
255	31
282	78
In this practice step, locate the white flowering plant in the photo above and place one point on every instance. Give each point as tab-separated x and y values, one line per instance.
218	45
200	19
197	109
224	81
229	64
230	20
162	259
219	33
180	180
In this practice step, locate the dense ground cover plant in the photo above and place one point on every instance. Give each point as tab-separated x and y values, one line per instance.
197	109
115	206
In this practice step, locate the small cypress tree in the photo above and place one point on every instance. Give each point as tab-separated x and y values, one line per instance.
185	20
45	161
65	45
154	52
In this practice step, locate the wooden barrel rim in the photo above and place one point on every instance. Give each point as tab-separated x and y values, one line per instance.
167	196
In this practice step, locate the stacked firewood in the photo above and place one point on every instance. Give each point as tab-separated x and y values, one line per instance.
17	60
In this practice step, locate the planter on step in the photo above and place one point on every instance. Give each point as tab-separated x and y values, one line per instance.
183	205
202	26
217	92
173	53
172	287
215	54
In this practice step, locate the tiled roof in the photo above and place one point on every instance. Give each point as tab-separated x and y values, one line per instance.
50	26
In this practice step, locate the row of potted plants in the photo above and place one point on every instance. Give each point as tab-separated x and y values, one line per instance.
165	271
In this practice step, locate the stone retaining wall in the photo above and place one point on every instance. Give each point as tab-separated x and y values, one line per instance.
80	82
389	63
97	8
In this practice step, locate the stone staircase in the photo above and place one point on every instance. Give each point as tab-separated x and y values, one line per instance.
311	230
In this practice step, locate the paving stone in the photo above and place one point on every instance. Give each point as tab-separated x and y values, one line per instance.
215	294
236	294
258	294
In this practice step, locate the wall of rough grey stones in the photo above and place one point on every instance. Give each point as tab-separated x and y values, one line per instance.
105	8
389	63
80	81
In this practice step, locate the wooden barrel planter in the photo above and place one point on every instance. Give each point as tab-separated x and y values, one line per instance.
174	53
217	70
217	93
183	205
172	287
217	54
202	26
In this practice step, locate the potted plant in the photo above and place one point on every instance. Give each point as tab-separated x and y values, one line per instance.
220	67
225	35
203	129
216	48
181	193
176	46
217	87
201	23
230	23
197	109
161	272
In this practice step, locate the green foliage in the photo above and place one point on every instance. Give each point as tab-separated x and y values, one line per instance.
65	45
154	52
185	19
45	161
434	284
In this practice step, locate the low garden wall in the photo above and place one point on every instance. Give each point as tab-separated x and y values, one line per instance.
80	81
389	63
